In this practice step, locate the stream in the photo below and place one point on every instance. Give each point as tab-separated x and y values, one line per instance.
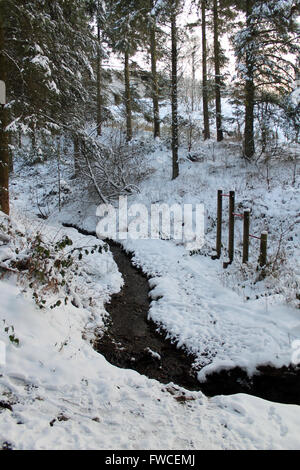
134	342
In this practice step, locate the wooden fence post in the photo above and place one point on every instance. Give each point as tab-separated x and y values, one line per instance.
231	226
219	225
246	235
263	249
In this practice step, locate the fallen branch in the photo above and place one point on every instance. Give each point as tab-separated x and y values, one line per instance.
94	181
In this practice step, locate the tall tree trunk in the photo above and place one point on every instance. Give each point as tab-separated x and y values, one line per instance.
155	91
217	72
19	139
128	98
76	146
4	139
193	77
99	83
33	136
249	147
11	156
174	97
204	73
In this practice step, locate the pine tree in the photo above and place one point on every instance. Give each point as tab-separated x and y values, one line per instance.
4	142
51	58
174	93
153	54
170	11
204	71
224	15
217	71
265	48
97	10
125	34
48	46
249	147
99	19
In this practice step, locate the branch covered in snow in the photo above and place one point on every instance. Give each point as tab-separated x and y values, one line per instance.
4	238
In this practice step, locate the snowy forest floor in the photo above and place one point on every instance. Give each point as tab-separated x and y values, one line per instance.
60	393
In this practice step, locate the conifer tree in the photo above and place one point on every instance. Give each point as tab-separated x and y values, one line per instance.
223	17
265	48
97	9
48	48
4	150
174	94
170	10
217	70
206	132
153	54
125	34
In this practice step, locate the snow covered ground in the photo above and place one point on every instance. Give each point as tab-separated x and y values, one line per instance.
233	317
70	398
66	396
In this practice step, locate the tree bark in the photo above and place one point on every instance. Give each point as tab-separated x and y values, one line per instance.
193	78
99	83
11	156
217	72
204	73
249	147
4	138
76	145
155	90
174	98
128	98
